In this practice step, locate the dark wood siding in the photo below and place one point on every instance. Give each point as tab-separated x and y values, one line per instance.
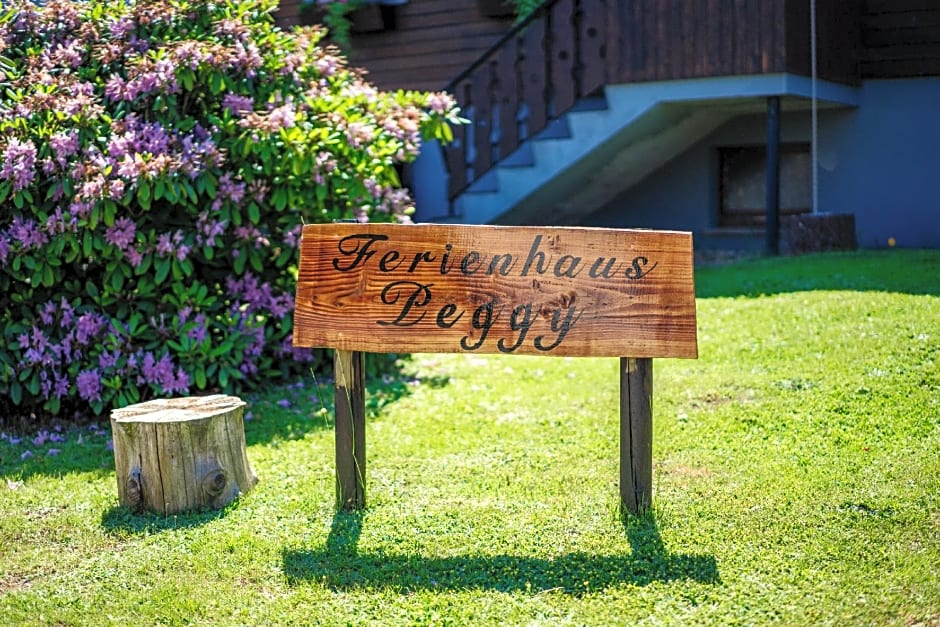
699	38
433	41
837	33
643	40
702	38
901	38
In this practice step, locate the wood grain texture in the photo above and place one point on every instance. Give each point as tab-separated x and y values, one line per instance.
490	289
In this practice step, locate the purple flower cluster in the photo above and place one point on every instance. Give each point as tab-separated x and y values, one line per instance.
230	189
257	297
27	232
271	121
147	77
61	340
162	373
121	234
19	162
207	229
88	383
172	244
238	105
252	235
79	335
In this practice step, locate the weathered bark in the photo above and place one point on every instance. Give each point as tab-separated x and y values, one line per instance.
182	454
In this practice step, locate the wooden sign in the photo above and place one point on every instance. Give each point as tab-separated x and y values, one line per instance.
490	289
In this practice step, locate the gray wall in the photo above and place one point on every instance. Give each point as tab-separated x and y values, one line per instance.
880	162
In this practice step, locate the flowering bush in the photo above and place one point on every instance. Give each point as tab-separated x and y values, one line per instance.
158	160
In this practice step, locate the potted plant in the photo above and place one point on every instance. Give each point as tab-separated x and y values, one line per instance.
508	8
344	17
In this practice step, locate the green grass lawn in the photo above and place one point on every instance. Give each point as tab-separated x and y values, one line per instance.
796	481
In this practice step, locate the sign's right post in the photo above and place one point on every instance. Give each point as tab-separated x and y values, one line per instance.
636	434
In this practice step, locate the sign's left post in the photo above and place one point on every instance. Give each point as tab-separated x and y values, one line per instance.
350	429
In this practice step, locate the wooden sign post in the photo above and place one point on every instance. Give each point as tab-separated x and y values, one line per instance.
487	289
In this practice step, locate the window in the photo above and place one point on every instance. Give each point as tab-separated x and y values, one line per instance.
743	184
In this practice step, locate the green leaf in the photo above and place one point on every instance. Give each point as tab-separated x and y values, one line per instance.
52	405
256	263
117	281
216	84
254	213
16	393
190	191
48	276
280	199
144	265
445	133
187	78
163	268
143	195
108	212
200	376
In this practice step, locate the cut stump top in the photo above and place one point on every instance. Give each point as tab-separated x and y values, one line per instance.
177	409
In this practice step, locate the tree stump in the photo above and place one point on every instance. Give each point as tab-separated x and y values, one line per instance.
182	454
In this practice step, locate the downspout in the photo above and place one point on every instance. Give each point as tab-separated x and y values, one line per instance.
772	200
814	108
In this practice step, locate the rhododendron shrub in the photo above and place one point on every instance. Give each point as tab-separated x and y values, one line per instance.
157	161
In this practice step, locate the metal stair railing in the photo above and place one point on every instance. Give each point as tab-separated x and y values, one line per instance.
533	75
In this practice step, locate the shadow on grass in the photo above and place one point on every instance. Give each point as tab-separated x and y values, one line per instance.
121	520
901	271
340	565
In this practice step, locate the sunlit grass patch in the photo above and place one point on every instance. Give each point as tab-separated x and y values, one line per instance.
796	481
